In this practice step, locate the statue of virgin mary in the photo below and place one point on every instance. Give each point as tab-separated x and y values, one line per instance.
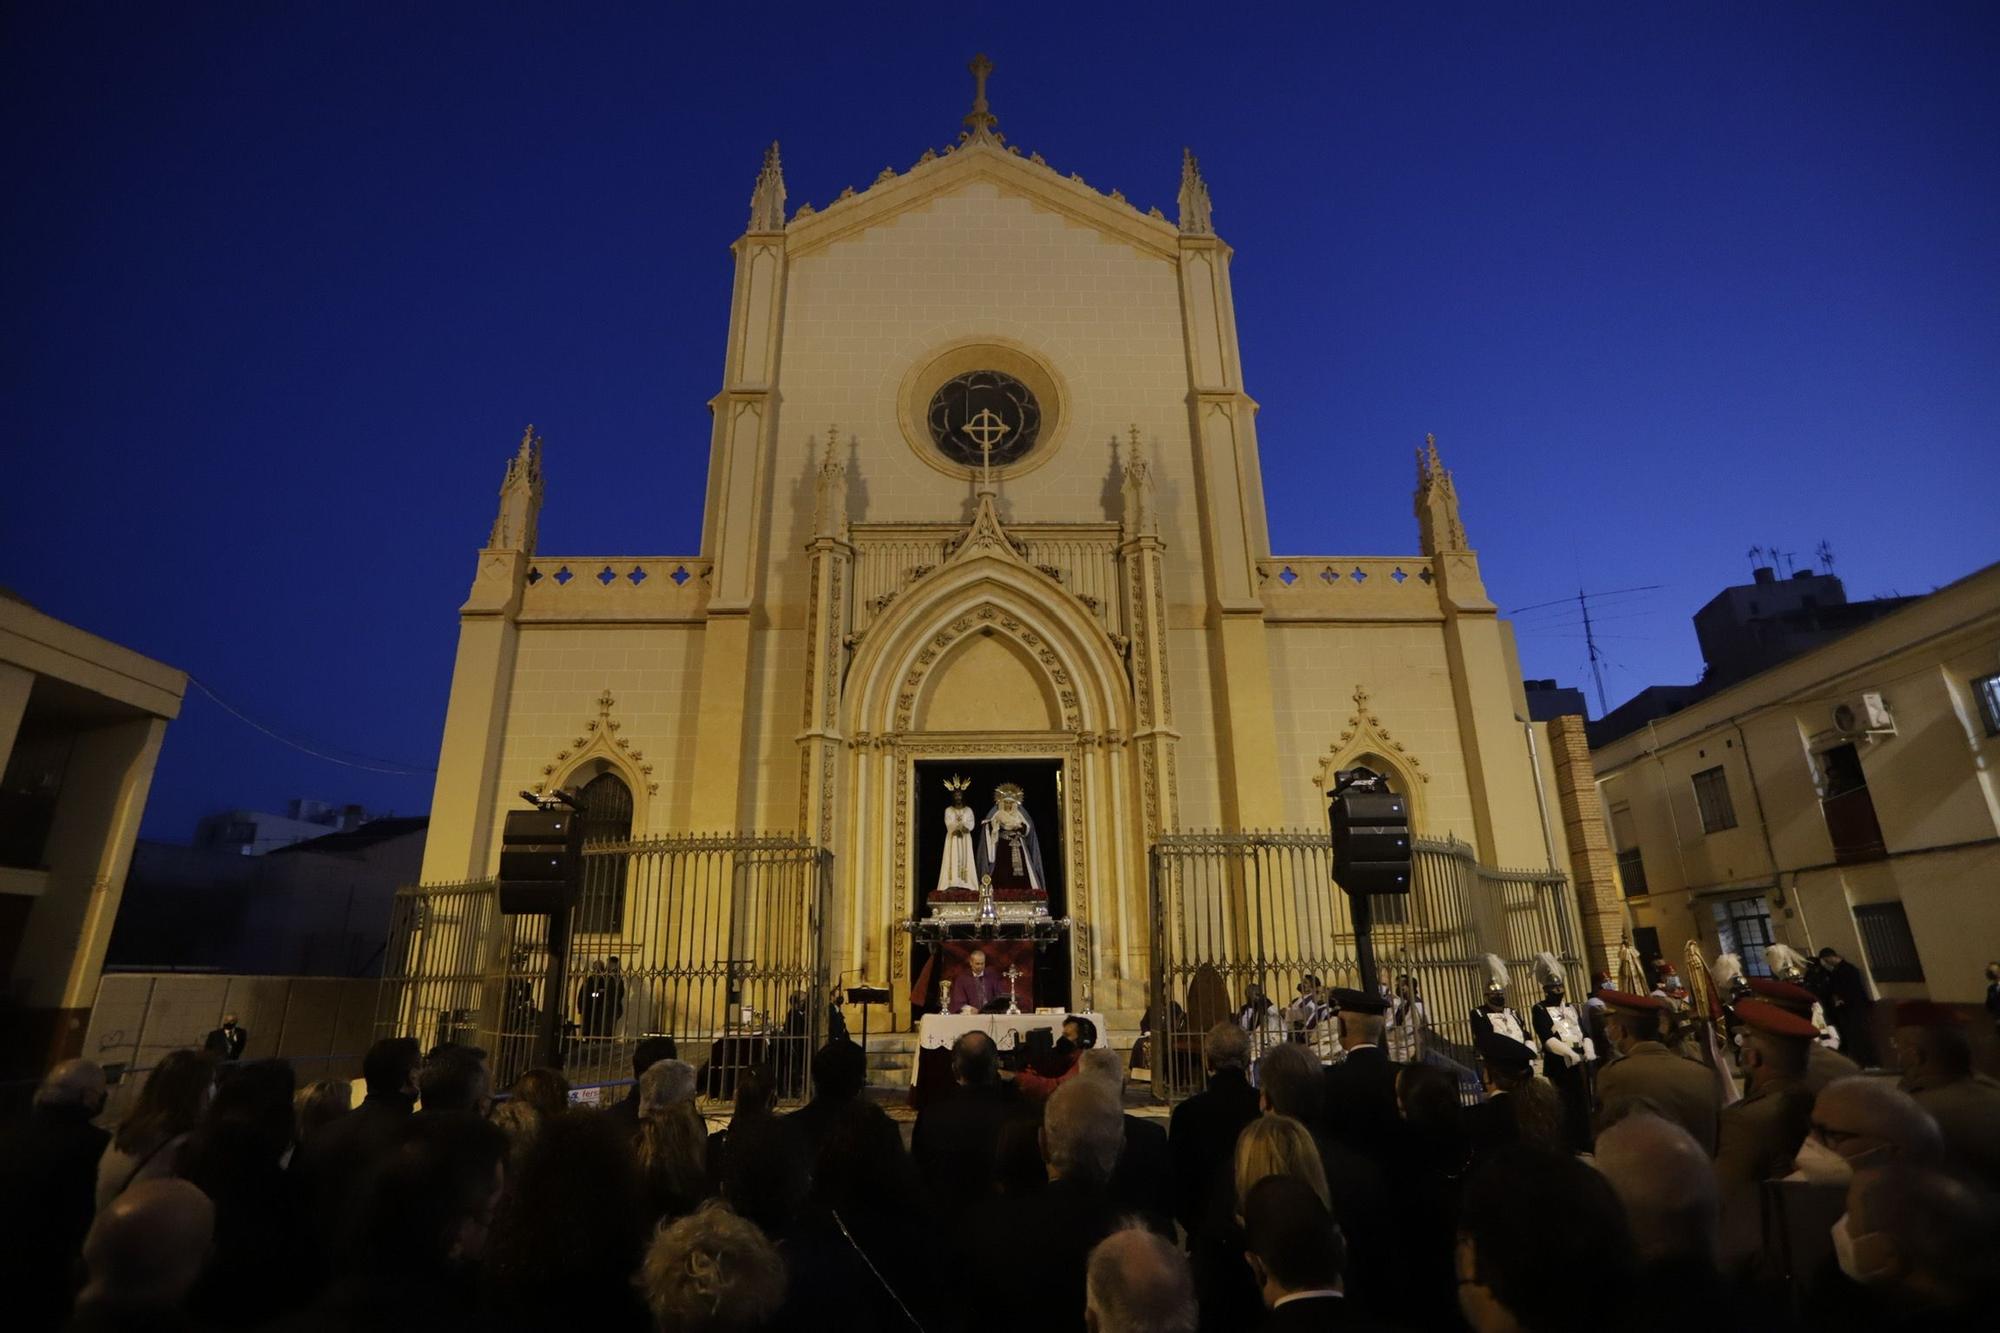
1009	851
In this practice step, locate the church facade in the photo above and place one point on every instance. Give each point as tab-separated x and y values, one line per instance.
984	500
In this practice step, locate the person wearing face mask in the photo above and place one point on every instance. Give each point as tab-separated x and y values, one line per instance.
1497	1018
1758	1137
1858	1124
1913	1250
1567	1051
1683	1090
1862	1124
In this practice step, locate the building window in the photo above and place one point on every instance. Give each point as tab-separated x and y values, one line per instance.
1632	872
1848	808
1743	927
1711	796
1886	940
1987	690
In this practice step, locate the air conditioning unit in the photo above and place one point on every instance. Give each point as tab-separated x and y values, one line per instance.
1864	715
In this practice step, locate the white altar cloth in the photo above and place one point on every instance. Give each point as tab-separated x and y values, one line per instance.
939	1031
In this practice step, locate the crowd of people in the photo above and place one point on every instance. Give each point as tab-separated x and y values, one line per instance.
1290	1193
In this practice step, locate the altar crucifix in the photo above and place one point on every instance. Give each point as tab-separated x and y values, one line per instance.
1013	974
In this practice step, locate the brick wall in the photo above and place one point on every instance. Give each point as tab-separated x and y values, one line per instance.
1593	868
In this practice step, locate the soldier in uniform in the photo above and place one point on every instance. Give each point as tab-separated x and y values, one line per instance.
1559	1034
1936	1060
1682	1090
1824	1062
1758	1137
1496	1019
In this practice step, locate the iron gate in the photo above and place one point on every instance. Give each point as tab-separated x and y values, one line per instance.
1237	911
712	941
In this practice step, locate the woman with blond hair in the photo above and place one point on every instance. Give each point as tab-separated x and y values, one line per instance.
1271	1145
320	1103
712	1272
1277	1145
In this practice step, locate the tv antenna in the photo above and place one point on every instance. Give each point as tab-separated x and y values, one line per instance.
1824	554
1582	600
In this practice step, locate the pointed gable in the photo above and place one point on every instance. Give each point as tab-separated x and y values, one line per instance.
980	161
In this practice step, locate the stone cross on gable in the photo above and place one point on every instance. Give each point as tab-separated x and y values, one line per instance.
980	121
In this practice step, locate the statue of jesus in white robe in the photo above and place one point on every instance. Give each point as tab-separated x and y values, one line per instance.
959	871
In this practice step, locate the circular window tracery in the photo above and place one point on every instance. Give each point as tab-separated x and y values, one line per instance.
984	415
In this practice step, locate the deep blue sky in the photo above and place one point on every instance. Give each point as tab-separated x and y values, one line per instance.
283	283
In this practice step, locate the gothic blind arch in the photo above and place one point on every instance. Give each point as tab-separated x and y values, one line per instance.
607	817
1365	742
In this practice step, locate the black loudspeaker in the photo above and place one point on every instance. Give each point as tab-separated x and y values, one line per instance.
1371	841
541	855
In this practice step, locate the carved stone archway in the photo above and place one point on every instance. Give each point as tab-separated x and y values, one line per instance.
986	587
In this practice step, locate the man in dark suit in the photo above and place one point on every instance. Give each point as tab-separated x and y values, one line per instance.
1143	1182
1050	1232
839	1072
1201	1133
957	1136
1292	1084
1296	1254
226	1041
1851	1009
337	1163
1361	1088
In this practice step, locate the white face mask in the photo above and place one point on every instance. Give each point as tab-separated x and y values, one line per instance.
1843	1251
1822	1165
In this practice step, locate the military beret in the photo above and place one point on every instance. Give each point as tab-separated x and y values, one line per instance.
1926	1014
1774	1021
1783	994
1619	999
1358	1001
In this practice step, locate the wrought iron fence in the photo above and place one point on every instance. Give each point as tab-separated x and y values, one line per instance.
711	941
1239	916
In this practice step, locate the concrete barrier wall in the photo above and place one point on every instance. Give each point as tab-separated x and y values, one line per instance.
321	1024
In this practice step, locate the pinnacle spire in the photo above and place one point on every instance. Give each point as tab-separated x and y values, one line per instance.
980	122
520	498
830	490
1438	522
1197	213
767	199
1139	518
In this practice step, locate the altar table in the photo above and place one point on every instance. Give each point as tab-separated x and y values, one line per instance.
937	1032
